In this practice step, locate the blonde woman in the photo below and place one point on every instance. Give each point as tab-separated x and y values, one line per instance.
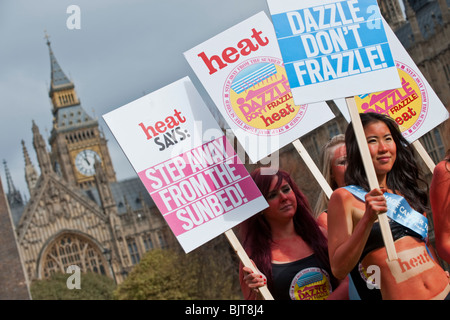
334	163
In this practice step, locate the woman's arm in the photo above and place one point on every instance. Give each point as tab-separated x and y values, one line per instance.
346	241
250	282
440	206
341	292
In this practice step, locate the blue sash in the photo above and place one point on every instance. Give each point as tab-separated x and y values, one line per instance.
398	210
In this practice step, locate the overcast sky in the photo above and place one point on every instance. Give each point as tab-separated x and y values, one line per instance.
123	50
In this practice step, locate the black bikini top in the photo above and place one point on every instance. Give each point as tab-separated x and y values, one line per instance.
375	240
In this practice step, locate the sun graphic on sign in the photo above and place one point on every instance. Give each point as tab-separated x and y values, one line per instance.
258	97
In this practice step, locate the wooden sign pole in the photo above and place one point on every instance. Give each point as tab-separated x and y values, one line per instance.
371	175
424	154
312	167
237	246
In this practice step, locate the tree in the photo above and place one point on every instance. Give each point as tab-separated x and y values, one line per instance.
217	273
158	276
209	272
93	287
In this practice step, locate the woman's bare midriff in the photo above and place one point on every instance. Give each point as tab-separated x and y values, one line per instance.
426	279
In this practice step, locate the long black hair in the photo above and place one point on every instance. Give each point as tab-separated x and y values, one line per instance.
405	175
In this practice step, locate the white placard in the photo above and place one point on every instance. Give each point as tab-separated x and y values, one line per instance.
242	70
185	162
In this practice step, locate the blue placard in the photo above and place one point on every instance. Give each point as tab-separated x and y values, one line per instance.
332	41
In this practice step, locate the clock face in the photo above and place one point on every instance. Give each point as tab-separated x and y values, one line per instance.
84	162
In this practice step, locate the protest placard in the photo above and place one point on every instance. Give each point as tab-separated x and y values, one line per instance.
333	49
414	106
243	72
185	162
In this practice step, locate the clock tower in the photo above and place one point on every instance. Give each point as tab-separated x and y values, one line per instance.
76	141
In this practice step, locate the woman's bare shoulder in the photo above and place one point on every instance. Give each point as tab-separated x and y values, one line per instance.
342	194
441	175
341	199
442	168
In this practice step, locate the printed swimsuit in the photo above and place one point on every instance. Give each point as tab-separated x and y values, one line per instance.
304	279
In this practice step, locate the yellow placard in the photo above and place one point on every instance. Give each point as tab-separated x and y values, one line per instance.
407	105
258	98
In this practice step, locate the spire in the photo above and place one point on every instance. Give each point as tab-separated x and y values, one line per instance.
10	183
14	196
41	151
58	79
67	110
392	12
31	175
412	18
26	155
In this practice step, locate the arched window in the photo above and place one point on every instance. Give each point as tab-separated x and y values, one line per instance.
73	249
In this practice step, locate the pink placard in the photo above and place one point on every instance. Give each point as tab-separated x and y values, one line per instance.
199	185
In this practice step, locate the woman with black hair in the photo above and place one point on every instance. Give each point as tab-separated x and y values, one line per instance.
355	241
287	246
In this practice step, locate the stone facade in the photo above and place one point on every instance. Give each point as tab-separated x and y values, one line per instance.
14	284
78	214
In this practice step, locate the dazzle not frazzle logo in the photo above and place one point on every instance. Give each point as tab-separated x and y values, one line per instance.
407	105
258	98
310	284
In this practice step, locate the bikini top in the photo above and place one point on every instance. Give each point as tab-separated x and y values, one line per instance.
375	240
410	223
403	220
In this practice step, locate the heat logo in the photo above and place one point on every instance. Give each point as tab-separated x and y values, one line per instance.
171	132
407	105
258	98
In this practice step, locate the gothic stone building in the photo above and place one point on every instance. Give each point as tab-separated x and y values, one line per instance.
425	34
78	214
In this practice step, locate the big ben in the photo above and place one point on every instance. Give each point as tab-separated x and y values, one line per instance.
78	214
76	141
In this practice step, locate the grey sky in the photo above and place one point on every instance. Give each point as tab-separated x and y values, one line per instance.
124	49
